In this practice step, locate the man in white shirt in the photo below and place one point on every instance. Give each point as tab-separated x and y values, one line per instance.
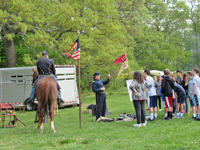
196	91
152	96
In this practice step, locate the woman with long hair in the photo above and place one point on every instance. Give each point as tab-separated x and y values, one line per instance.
184	84
139	88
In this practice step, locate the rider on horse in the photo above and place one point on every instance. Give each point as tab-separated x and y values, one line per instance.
45	67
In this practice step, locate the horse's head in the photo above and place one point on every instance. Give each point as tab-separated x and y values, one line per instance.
35	75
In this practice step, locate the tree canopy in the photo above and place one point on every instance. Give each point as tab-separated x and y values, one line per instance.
155	34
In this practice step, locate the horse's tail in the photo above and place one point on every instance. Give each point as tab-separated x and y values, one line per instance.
44	98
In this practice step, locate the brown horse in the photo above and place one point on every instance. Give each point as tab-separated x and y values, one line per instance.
46	93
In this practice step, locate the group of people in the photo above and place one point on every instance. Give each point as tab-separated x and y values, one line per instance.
174	92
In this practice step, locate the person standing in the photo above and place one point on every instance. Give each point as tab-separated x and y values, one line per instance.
196	90
163	98
190	96
139	88
184	84
181	97
152	96
167	86
99	89
158	86
178	72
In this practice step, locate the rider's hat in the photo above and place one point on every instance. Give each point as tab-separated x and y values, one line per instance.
45	53
97	74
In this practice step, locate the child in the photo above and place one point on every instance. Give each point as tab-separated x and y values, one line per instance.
167	87
139	87
181	96
189	95
163	98
152	96
178	72
174	96
196	90
158	86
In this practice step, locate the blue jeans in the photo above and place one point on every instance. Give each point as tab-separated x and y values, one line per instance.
186	105
174	105
32	95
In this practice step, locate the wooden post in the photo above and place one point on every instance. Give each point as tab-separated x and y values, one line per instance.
79	86
129	74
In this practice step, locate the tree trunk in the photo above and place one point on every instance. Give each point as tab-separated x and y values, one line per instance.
11	56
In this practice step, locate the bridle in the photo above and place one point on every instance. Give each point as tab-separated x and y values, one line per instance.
35	76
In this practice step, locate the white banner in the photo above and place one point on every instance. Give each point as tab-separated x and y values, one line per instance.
124	66
128	82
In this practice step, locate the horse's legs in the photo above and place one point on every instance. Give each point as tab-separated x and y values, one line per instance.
51	113
36	116
41	112
41	128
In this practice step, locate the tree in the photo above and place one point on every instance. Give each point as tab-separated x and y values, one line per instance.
159	34
195	32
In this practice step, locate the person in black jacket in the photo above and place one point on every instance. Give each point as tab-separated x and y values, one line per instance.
167	87
45	67
99	89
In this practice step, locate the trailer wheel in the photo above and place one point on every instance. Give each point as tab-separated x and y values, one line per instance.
30	106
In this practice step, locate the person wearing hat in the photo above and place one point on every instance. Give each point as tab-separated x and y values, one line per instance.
45	67
99	89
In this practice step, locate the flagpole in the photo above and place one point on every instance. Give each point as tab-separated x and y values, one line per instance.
127	68
79	86
129	74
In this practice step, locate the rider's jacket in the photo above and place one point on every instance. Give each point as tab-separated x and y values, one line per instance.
45	66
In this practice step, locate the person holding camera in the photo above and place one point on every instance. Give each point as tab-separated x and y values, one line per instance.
99	89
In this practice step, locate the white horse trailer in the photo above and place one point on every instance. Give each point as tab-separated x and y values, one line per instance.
16	84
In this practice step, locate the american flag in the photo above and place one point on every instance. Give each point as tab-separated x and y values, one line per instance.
77	47
74	46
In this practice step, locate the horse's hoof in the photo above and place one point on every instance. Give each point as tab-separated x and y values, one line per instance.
53	131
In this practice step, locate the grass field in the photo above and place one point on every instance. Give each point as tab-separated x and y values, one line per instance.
180	133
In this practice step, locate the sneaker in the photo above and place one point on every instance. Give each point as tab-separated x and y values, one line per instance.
177	116
147	108
150	119
155	119
167	118
160	110
144	124
164	117
181	117
184	111
137	125
193	117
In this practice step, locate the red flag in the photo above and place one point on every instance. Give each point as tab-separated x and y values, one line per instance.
121	59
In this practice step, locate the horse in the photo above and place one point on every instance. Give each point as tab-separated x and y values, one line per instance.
46	94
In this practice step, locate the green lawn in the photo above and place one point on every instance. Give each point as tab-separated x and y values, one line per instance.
161	134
